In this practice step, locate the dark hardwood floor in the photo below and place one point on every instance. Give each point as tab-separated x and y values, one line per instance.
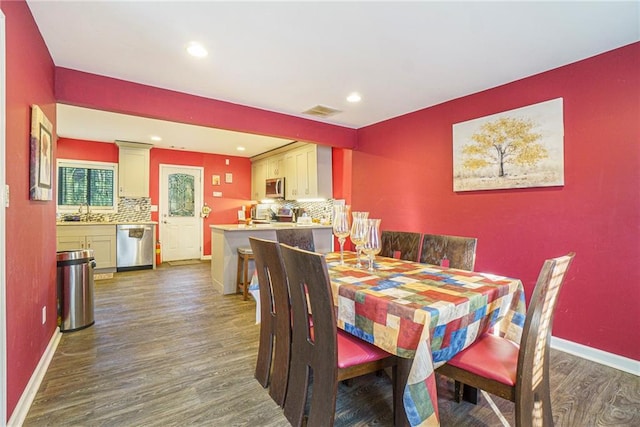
168	349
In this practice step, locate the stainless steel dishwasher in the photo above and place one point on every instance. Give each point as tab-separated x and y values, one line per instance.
134	247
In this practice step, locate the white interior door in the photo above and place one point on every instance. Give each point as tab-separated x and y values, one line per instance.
180	205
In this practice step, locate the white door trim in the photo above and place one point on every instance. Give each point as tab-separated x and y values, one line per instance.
162	201
3	237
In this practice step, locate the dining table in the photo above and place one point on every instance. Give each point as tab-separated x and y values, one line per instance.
424	314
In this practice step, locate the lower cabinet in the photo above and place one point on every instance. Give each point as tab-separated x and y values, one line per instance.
100	238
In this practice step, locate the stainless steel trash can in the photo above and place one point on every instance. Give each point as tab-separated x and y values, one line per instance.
75	289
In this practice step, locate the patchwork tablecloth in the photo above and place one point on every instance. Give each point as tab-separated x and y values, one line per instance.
391	306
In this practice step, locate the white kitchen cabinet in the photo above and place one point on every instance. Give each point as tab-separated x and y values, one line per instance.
133	169
258	178
308	172
275	166
100	238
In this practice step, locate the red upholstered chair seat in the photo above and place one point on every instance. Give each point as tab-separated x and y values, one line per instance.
353	351
490	357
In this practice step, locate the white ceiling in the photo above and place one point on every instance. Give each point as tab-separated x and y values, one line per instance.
290	56
94	125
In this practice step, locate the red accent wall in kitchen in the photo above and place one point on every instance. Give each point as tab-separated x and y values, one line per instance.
77	149
402	173
234	195
224	209
30	225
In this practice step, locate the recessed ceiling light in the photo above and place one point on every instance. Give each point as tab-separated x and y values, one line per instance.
197	50
354	97
240	148
155	138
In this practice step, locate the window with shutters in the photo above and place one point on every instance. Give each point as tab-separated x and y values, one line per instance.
87	183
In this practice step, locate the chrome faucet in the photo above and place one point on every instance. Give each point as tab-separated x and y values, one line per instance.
88	209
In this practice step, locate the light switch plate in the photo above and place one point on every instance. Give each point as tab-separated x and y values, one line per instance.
217	194
154	208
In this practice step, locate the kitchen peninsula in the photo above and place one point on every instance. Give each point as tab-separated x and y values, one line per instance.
226	239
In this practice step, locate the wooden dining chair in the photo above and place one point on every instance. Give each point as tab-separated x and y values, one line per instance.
297	237
459	251
400	244
332	354
272	367
517	373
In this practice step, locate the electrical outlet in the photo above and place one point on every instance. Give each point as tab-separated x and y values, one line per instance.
44	314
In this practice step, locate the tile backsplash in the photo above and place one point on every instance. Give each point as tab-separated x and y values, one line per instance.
133	209
315	210
129	210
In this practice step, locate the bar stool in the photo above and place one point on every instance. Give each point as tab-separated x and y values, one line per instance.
242	279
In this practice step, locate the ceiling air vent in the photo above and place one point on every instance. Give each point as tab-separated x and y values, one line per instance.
321	111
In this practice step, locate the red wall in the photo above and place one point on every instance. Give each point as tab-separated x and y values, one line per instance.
224	209
89	90
30	227
76	149
402	173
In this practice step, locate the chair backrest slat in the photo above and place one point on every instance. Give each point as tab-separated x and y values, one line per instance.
533	362
311	296
460	251
400	244
297	237
274	316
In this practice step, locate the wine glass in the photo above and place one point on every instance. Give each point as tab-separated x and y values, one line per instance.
341	226
358	230
372	244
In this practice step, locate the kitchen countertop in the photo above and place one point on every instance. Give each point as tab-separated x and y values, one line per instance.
271	226
105	222
226	239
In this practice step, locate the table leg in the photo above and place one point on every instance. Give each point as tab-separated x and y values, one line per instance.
402	375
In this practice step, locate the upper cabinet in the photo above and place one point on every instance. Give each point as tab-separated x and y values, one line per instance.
133	169
306	169
258	178
275	166
308	173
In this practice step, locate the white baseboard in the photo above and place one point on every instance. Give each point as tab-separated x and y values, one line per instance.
22	408
602	357
205	257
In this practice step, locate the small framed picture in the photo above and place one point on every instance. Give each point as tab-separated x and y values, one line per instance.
215	179
228	178
40	162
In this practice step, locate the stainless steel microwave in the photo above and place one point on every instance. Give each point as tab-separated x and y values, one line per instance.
275	188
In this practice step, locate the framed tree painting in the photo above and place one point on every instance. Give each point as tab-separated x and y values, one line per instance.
514	149
40	180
